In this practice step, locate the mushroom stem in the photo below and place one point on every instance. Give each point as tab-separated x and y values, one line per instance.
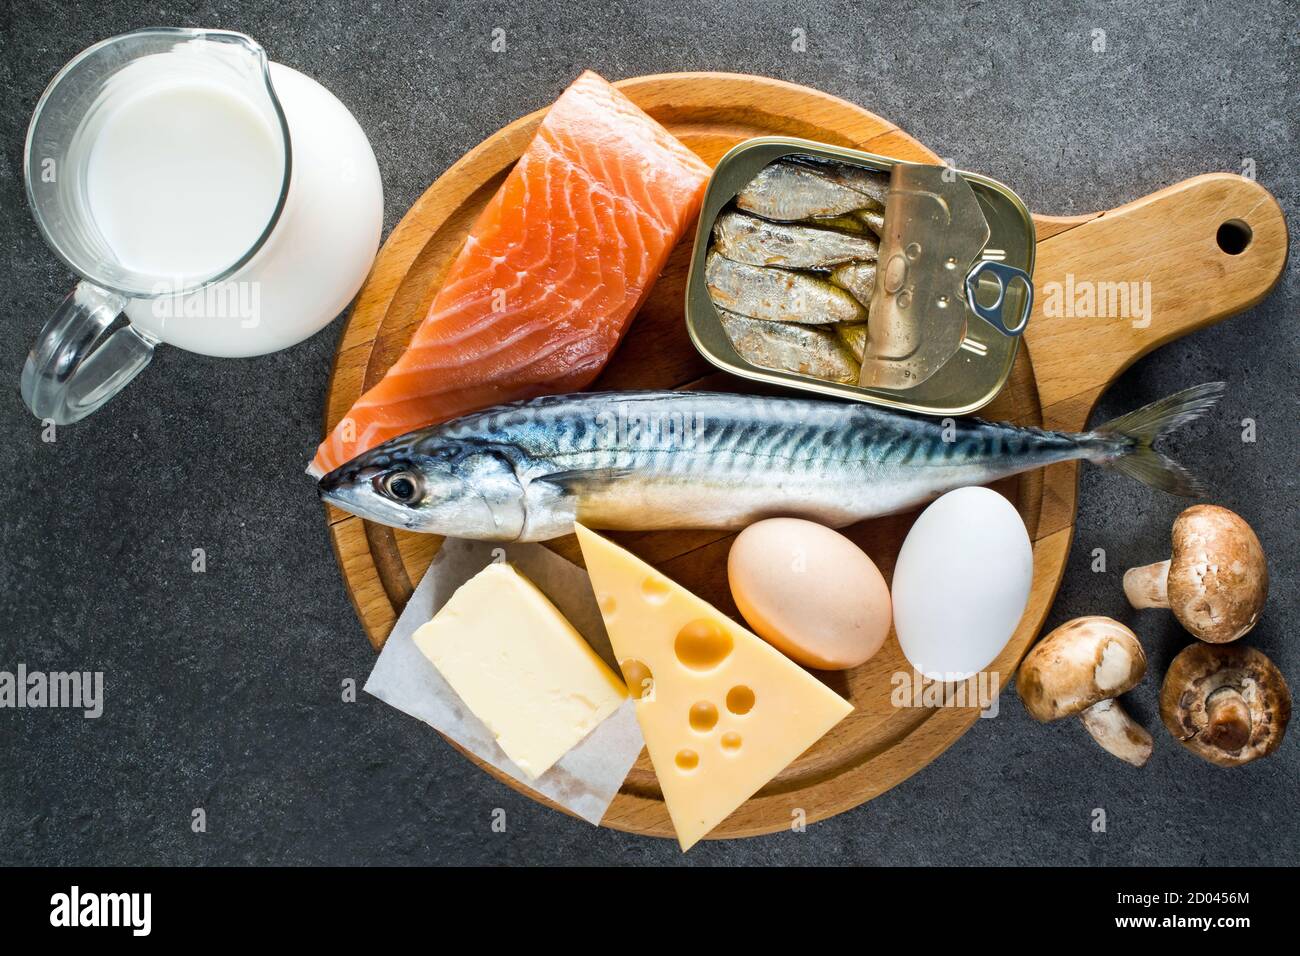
1148	586
1118	733
1227	719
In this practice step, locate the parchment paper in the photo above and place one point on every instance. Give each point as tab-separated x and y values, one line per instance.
584	780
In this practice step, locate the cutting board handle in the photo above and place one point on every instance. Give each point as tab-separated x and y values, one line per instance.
1116	285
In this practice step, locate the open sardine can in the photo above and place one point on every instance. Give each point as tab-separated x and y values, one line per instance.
951	296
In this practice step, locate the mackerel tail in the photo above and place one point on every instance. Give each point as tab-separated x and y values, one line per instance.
1126	443
646	461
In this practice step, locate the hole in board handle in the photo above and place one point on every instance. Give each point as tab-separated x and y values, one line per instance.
1234	236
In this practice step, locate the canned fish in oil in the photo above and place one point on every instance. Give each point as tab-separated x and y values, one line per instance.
944	304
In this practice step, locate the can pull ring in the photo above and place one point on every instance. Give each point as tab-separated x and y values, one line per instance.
1005	275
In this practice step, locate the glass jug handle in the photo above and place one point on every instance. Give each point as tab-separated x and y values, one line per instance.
80	361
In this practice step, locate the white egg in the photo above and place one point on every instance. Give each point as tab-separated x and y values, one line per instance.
961	583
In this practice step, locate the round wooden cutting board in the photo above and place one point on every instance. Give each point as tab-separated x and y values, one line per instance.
1176	240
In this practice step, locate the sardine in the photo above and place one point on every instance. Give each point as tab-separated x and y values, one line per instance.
850	223
777	295
854	337
786	191
657	460
858	278
872	184
875	221
758	242
804	349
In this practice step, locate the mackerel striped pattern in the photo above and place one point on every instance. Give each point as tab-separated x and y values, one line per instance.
650	460
682	432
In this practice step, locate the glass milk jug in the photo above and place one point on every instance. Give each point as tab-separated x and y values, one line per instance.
207	198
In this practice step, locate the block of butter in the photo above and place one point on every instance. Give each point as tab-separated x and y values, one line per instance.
520	667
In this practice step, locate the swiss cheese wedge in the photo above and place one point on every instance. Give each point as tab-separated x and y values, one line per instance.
722	711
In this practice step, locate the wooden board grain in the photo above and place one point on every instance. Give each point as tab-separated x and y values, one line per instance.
1167	240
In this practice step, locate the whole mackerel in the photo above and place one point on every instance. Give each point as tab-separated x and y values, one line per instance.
657	460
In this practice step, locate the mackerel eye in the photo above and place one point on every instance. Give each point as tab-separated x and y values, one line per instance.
401	486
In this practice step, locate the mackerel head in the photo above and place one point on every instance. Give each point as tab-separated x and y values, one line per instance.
426	481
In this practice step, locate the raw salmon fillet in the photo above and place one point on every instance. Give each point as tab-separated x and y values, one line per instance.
550	276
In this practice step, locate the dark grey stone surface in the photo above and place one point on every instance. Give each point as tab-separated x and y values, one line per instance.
223	688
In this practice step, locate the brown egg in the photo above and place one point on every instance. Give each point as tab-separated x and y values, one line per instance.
810	592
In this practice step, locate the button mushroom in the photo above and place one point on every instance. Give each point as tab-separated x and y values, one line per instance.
1227	704
1216	580
1080	668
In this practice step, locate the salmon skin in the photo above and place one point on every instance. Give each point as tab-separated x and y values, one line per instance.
645	461
551	274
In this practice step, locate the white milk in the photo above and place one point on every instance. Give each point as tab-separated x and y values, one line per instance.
183	177
317	256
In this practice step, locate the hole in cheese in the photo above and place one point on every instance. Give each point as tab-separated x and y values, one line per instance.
704	716
702	645
740	700
656	590
640	682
